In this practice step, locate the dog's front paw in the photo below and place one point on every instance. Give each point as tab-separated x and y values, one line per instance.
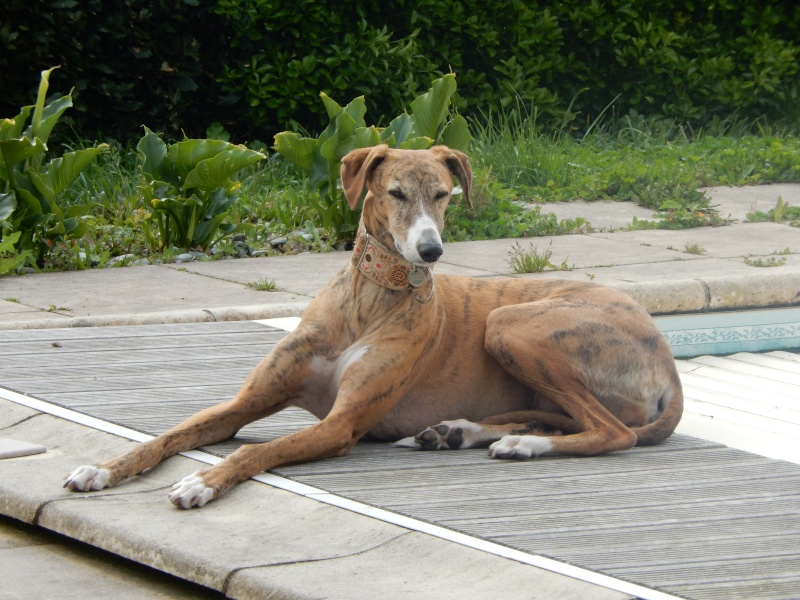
87	479
191	492
520	447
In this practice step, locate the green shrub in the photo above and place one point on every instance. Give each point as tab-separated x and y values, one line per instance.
257	66
131	62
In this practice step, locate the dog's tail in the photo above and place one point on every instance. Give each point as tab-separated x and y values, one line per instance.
671	404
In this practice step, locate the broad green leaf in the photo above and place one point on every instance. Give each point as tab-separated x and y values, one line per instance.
357	109
15	151
152	152
13	128
50	116
10	264
8	242
416	143
217	203
431	108
345	128
366	137
204	232
62	171
331	106
79	210
8	202
28	201
215	172
400	128
186	155
38	110
296	149
456	134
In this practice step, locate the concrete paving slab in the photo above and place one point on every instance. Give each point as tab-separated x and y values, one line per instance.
253	525
74	571
303	274
677	269
581	251
737	202
12	413
242	543
68	446
131	289
408	564
721	242
601	214
31	314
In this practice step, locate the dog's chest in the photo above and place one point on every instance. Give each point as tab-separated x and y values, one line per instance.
321	386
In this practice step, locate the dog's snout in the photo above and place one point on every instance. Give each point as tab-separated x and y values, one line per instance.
429	251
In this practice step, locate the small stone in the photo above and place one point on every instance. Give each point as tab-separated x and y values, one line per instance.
278	242
184	258
121	258
259	252
239	237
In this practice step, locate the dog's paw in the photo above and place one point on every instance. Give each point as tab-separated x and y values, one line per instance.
191	492
87	479
520	447
449	435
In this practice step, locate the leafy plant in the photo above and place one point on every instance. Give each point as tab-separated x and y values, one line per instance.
321	157
30	190
769	261
782	212
9	260
190	188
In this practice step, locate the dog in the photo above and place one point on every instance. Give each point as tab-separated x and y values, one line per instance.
388	352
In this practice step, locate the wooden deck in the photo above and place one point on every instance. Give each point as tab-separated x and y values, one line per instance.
691	517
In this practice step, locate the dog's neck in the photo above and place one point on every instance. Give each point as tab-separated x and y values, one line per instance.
390	270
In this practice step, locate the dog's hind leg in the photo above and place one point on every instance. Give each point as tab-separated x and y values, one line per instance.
589	362
461	434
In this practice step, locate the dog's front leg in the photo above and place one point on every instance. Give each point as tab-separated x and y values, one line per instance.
268	389
368	390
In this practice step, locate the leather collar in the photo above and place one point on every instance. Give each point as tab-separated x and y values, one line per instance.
388	269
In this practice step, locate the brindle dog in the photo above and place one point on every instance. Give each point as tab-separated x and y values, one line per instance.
529	366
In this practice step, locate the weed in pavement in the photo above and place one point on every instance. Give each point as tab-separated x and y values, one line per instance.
263	285
532	261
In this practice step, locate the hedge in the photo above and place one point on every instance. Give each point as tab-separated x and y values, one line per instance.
257	66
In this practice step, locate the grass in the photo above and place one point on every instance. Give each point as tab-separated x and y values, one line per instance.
533	261
263	285
657	163
694	248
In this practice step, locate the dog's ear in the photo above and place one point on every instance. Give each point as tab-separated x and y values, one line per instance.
458	164
356	166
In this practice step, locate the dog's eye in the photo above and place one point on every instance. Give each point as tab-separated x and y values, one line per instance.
397	194
441	195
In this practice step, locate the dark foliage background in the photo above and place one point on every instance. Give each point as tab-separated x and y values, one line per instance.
257	66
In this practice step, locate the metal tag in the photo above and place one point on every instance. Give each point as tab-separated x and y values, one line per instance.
417	277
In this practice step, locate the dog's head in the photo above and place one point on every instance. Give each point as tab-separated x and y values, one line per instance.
407	194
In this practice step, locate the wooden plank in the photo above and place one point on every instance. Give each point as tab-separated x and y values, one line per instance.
690	517
753	369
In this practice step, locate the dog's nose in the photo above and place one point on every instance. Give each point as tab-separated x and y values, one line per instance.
429	251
